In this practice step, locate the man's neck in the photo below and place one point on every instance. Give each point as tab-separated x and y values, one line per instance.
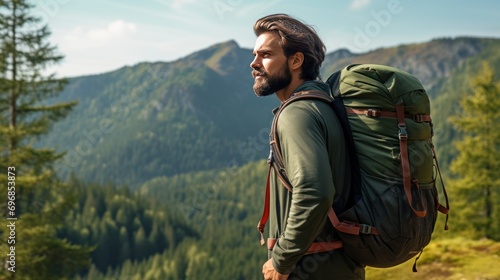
287	91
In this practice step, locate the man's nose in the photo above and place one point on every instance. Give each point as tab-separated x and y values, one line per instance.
255	64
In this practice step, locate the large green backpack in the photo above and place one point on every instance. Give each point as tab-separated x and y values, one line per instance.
385	114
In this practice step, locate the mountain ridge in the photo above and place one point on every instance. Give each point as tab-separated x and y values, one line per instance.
199	112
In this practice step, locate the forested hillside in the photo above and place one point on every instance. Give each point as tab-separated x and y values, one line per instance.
121	225
192	226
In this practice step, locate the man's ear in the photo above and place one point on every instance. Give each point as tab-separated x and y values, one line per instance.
295	61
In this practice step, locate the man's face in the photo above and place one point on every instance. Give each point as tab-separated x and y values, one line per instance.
270	65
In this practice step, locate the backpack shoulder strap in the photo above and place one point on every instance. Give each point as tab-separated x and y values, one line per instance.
275	159
275	156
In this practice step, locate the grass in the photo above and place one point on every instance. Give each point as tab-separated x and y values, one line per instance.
450	259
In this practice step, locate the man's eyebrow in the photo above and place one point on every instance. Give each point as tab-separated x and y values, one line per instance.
263	50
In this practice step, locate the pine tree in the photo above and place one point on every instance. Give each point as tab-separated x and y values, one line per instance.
478	181
41	200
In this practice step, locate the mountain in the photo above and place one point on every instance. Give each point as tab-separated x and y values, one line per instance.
430	62
161	119
199	112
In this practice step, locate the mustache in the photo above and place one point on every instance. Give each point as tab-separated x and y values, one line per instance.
258	72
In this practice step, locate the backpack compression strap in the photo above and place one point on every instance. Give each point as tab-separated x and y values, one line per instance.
405	161
440	207
403	136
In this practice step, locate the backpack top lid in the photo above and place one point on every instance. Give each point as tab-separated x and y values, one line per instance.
380	86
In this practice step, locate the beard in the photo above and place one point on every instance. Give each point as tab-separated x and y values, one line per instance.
269	84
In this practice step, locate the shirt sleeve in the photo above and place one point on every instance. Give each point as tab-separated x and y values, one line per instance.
303	143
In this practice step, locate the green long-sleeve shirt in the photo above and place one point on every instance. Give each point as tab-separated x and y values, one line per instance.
313	149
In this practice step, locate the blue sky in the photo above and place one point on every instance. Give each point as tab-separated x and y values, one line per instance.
97	36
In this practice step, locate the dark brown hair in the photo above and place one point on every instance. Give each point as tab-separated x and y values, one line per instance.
295	36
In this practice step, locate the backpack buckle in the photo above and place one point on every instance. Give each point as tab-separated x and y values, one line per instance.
403	135
418	118
365	229
372	113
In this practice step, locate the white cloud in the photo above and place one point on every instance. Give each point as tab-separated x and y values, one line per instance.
359	4
81	38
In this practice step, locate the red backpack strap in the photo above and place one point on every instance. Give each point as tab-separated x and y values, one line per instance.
265	213
405	161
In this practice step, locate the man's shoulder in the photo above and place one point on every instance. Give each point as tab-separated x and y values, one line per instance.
305	101
307	110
